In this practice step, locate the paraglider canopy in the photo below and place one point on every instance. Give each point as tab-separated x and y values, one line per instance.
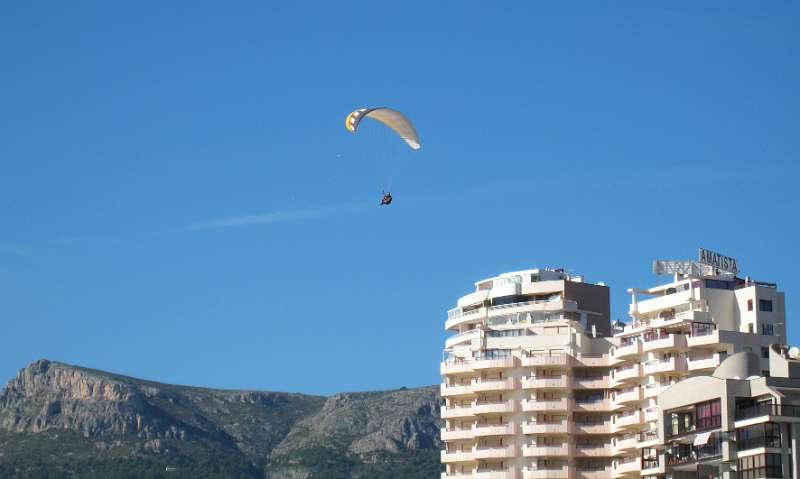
389	117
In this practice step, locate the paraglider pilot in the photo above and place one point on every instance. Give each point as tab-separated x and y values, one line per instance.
387	199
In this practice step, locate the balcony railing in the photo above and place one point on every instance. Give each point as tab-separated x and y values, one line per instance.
555	472
686	453
589	360
545	360
559	382
545	450
768	410
591	382
498	407
561	404
554	427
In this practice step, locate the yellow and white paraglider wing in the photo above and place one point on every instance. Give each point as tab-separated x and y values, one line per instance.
389	117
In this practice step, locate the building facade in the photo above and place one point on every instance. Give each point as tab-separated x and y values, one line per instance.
680	329
537	384
733	424
526	379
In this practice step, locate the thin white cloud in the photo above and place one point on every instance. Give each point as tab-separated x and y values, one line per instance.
260	219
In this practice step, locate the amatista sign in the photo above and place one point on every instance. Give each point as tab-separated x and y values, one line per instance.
717	260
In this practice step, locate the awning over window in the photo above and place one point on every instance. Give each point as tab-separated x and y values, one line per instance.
703	438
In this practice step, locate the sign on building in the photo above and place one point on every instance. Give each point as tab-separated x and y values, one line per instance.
719	261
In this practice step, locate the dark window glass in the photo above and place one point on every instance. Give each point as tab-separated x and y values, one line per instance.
760	466
749	304
764	305
765	353
717	284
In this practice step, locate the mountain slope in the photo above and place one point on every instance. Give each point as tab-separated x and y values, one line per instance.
58	420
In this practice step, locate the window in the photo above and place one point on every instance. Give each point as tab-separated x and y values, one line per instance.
767	330
759	466
506	333
708	414
765	305
493	354
750	328
717	284
749	304
765	352
758	435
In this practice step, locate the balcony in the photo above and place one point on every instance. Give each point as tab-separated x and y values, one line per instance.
592	474
484	385
652	390
626	443
628	396
660	303
449	412
455	390
500	363
628	420
505	452
532	450
627	373
594	450
457	456
703	338
509	473
546	360
456	317
653	467
630	350
592	428
457	475
563	472
625	466
588	361
466	336
456	434
501	407
536	305
668	341
598	382
481	430
648	438
671	365
532	405
561	382
558	427
593	405
651	414
455	367
700	363
786	411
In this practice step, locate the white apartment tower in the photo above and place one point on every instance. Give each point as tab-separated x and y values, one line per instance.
526	379
537	385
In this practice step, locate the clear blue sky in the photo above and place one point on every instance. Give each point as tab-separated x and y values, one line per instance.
180	200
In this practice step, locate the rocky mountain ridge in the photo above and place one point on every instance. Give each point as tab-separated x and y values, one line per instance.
93	416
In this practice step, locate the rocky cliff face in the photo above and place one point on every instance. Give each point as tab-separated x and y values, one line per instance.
270	434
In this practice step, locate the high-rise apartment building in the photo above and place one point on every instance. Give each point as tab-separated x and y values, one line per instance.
684	328
526	379
537	384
